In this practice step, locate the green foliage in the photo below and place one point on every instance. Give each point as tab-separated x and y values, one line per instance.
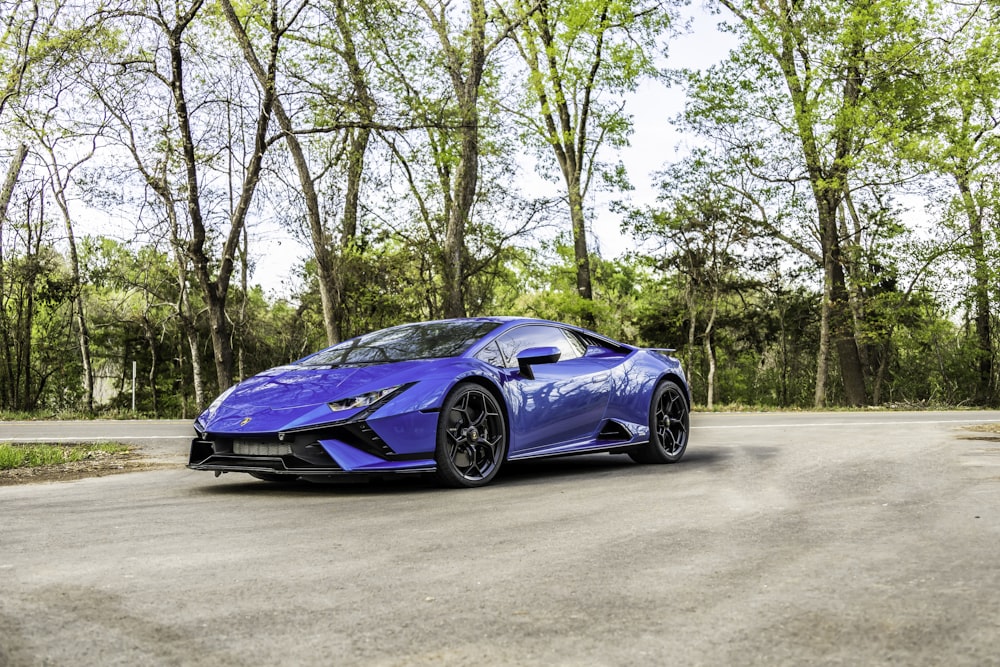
35	332
32	456
550	293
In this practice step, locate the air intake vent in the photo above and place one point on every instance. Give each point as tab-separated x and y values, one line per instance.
260	448
613	430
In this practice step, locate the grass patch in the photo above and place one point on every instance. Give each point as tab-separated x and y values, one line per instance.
41	455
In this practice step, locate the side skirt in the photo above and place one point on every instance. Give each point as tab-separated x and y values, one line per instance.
597	448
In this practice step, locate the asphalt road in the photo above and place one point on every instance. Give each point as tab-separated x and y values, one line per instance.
832	538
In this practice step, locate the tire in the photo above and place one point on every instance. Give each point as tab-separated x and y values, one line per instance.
668	426
471	437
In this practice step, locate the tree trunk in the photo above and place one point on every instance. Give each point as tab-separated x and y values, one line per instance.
13	171
827	179
980	296
581	255
692	332
197	373
317	234
83	331
8	386
465	184
185	313
841	318
221	346
854	271
216	290
26	314
565	118
823	353
710	356
465	69
357	150
692	324
150	336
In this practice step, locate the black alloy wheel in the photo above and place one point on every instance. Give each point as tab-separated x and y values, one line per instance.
668	426
471	438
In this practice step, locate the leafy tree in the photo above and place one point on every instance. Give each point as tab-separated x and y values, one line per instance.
959	140
580	59
163	46
354	115
35	291
458	202
703	233
464	49
548	290
820	80
56	135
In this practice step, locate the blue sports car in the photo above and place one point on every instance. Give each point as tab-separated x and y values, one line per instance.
456	398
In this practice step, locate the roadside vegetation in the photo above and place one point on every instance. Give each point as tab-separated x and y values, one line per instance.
827	233
14	456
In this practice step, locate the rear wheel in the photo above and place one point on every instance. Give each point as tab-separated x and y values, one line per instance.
668	426
471	437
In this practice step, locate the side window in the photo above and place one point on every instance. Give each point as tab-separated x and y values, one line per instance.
538	335
576	342
491	355
574	346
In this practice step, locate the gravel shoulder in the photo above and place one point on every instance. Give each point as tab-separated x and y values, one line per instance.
153	445
99	464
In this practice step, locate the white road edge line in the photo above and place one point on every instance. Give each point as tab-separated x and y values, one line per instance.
35	422
100	438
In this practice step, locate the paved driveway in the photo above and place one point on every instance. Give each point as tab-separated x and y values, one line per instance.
807	538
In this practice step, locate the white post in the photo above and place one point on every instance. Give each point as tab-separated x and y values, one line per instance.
133	386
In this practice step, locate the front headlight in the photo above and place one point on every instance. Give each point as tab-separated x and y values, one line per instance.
363	400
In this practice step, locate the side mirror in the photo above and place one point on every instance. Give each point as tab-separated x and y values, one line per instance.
536	355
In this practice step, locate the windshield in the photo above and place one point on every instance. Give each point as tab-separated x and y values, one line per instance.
423	340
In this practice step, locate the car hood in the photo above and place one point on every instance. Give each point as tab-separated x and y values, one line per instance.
288	395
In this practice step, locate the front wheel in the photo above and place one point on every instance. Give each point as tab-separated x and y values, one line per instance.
668	426
471	437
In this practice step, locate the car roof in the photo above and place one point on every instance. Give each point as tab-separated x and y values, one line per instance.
510	322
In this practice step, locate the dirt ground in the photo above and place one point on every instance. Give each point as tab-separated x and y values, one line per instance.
98	464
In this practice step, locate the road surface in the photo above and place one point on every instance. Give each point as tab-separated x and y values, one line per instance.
780	539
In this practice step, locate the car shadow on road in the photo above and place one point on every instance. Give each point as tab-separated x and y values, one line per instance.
341	486
513	473
600	465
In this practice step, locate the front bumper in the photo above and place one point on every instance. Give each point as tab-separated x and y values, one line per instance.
354	446
224	455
